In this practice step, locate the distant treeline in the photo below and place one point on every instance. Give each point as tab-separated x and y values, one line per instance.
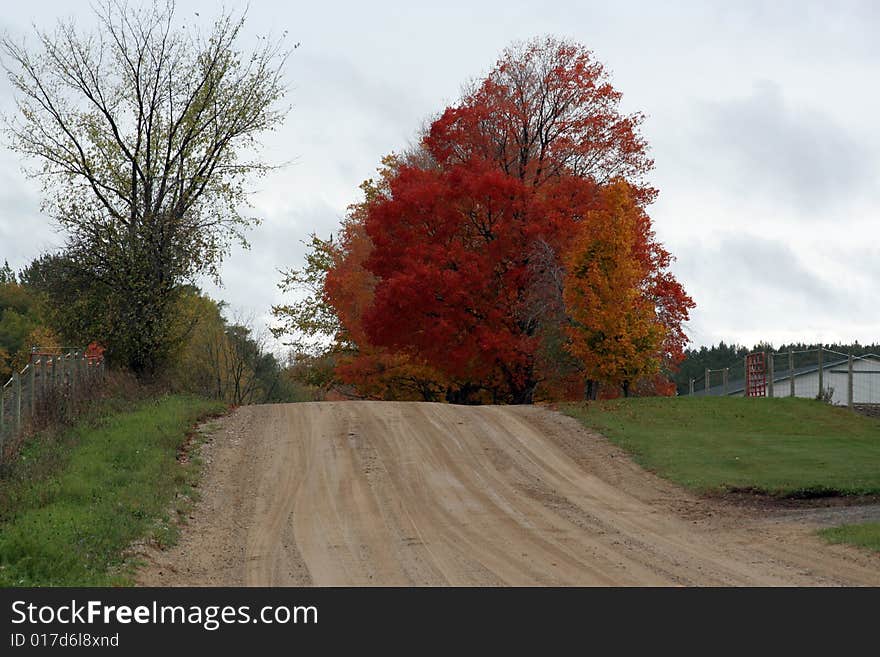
696	361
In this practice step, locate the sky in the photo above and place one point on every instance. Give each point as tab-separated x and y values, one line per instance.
761	118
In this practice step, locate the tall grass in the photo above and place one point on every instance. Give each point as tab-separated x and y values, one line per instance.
69	507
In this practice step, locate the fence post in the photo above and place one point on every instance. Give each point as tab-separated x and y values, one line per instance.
746	375
690	386
724	377
2	419
42	378
821	376
74	375
849	381
16	408
770	375
47	382
706	387
791	372
32	387
62	375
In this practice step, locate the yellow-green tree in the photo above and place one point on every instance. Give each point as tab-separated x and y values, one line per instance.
223	359
143	136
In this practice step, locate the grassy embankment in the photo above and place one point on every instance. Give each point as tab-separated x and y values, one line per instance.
72	502
787	448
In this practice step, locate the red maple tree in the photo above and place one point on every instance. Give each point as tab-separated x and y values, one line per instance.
454	269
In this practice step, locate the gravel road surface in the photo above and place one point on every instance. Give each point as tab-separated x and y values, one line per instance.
404	493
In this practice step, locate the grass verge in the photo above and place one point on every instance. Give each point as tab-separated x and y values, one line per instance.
780	447
866	535
70	506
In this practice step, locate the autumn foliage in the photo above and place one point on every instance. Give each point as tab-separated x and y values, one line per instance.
510	254
614	297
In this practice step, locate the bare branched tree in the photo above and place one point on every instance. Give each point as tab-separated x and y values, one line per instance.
140	132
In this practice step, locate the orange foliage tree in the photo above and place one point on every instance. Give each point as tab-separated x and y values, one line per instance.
615	299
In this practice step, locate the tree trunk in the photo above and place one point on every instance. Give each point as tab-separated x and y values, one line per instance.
462	395
591	390
523	394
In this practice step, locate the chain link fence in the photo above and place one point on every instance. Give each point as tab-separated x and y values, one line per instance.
837	378
48	387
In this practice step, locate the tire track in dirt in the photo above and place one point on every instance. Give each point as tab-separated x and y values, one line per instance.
405	493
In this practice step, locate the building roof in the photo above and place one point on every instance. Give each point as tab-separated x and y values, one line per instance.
737	386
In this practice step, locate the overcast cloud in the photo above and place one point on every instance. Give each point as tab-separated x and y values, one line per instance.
761	116
792	154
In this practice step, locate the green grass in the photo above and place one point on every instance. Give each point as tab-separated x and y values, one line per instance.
70	506
866	535
780	447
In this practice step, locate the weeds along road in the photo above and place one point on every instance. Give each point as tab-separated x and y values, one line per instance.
398	493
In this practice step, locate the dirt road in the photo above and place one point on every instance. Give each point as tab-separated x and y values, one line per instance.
390	493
